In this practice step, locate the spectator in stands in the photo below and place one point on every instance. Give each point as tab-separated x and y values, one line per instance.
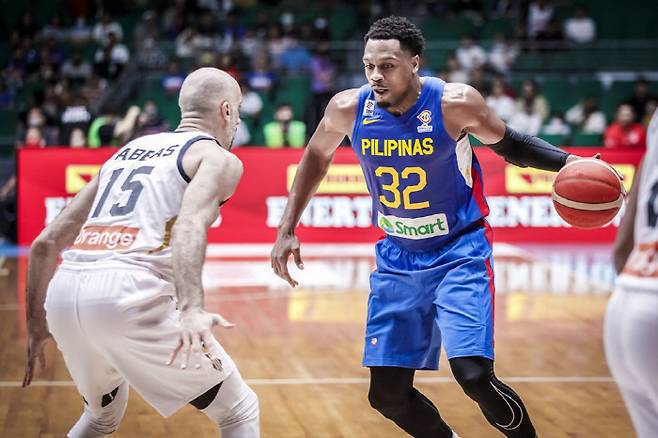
54	30
276	43
650	108
112	58
79	33
48	70
92	90
75	115
36	118
77	69
585	115
580	27
173	19
323	73
55	50
526	119
501	103
283	131
296	58
252	103
251	43
502	54
454	71
261	77
478	80
146	31
556	125
625	132
227	63
104	28
552	36
469	54
530	96
540	13
638	100
173	79
78	139
34	139
109	129
191	42
150	121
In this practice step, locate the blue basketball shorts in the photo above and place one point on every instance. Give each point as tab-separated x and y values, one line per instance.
419	300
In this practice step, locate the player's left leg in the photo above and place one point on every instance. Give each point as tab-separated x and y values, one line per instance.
102	420
501	406
233	406
465	311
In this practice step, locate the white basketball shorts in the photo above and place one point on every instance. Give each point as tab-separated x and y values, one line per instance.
631	347
113	321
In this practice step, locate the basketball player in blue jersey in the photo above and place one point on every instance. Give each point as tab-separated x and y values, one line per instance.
434	279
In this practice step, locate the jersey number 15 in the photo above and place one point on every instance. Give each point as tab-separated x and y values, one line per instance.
135	188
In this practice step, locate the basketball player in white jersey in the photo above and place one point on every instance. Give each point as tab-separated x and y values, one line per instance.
631	321
141	229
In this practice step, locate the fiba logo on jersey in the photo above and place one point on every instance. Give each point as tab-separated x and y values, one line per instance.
368	108
425	118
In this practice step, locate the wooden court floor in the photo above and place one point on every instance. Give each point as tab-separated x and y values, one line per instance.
301	351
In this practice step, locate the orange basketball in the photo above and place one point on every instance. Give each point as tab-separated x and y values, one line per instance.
587	193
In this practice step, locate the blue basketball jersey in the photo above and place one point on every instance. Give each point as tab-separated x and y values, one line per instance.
426	187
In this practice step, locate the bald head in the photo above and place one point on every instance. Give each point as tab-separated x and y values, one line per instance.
209	101
205	89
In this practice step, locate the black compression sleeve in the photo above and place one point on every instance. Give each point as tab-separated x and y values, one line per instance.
525	150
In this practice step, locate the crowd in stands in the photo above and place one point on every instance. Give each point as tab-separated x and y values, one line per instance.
66	80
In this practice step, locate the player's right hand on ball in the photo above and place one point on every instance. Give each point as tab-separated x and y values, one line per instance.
285	245
195	333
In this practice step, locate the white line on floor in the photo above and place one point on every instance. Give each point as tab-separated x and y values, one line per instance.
357	381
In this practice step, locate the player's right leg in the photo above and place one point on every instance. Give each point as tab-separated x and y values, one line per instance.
401	336
104	391
631	348
135	326
393	395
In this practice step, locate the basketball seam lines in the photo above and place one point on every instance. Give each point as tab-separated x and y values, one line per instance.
585	206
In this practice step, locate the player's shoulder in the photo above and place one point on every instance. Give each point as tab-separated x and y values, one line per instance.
341	110
216	157
346	100
458	94
462	100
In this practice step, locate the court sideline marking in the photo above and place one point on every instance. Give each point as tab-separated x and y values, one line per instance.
355	381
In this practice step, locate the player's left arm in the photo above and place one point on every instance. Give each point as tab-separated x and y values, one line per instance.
465	111
41	266
626	232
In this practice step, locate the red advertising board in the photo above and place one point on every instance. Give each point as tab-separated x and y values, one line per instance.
519	198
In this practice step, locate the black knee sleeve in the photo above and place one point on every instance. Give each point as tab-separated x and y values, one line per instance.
389	390
393	395
474	374
501	406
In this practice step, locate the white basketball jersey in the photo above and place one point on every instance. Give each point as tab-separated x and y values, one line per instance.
140	190
642	265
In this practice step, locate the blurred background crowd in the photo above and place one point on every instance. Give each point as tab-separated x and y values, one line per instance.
82	73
